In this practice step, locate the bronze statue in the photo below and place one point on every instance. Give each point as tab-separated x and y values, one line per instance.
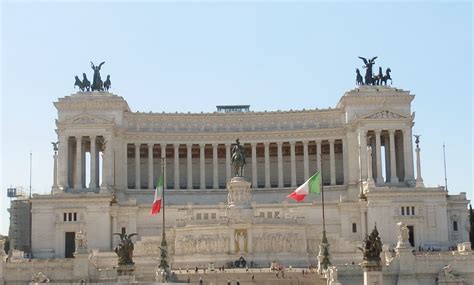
97	84
386	77
86	84
359	80
372	247
107	83
238	159
55	146
417	140
78	83
125	248
369	80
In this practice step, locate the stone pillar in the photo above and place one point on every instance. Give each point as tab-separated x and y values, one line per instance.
176	165
267	164
254	165
103	186
372	275
227	161
215	173
332	162
54	188
80	268
137	167
345	161
163	161
305	160
125	173
393	162
150	166
63	162
419	179
280	164
93	171
293	163
202	165
78	167
189	149
408	156
318	155
378	149
370	176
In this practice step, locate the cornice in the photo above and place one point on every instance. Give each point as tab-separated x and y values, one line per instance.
92	101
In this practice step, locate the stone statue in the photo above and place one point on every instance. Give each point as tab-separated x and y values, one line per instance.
39	277
97	84
369	80
240	239
81	242
403	234
125	248
107	83
447	273
372	247
238	159
55	146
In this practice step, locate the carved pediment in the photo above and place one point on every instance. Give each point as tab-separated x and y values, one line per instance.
385	114
85	119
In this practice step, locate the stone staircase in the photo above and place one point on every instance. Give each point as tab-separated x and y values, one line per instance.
263	276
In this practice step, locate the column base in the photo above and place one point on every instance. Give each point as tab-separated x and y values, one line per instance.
104	190
380	180
56	190
78	187
394	180
419	183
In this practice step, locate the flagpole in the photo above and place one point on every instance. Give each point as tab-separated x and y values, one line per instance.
323	256
163	272
163	199
445	176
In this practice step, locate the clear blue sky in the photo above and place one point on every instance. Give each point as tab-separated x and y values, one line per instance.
192	56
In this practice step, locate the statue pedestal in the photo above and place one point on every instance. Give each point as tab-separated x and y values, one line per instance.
372	273
239	193
125	273
81	266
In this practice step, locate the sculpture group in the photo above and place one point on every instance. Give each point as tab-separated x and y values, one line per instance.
125	248
372	247
371	78
97	83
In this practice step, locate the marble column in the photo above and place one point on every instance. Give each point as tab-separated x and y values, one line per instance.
393	164
163	167
63	162
408	155
280	164
419	179
93	162
318	156
345	162
215	168
378	157
189	150
125	173
78	166
137	167
150	166
227	161
105	161
202	165
305	160
176	165
254	165
293	163
332	162
267	164
54	188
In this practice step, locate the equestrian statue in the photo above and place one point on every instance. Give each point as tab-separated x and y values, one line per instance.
238	159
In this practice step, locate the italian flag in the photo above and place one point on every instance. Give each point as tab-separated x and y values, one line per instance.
156	207
311	186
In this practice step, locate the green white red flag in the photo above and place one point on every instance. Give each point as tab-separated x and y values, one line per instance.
156	207
311	186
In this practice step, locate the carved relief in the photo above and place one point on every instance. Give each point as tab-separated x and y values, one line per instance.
386	114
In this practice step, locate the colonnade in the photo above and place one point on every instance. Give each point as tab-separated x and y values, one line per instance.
216	159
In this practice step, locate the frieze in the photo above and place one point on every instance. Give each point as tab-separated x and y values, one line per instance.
385	114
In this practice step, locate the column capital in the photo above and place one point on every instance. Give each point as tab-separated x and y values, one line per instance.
176	145
202	145
305	142
279	143
331	141
79	138
137	145
292	143
163	145
253	144
391	131
189	145
214	145
266	144
150	145
377	132
93	137
227	144
318	142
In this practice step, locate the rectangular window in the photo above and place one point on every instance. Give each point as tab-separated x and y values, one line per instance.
69	217
213	216
413	210
65	217
206	216
262	215
455	226
354	227
269	215
198	216
403	211
75	217
408	211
